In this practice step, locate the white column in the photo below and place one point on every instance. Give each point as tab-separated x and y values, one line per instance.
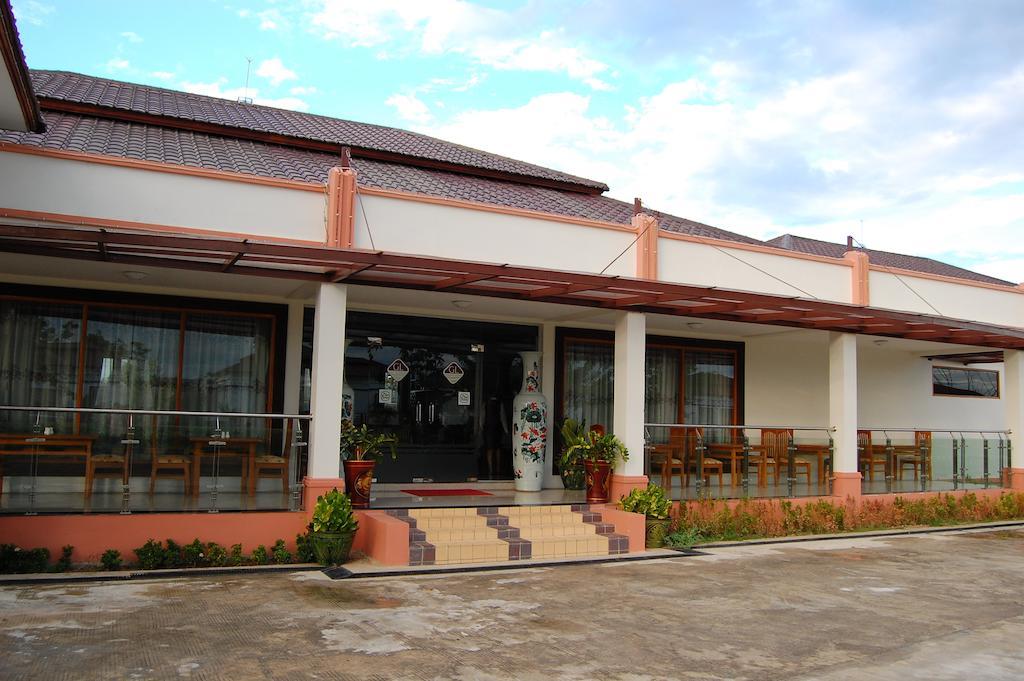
630	383
1013	398
549	365
328	367
842	399
293	359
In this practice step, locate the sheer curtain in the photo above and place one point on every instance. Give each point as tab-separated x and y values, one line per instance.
662	397
709	391
226	368
589	381
38	362
131	362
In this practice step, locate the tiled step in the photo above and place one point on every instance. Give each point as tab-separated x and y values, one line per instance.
451	536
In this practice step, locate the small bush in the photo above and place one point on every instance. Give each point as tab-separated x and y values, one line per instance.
237	557
281	554
195	555
15	560
63	563
216	554
260	556
304	549
174	555
111	559
151	555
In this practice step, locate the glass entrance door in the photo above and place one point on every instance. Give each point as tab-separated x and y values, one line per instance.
444	387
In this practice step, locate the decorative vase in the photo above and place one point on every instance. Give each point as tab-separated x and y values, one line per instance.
348	396
358	480
573	477
599	480
657	530
529	428
331	548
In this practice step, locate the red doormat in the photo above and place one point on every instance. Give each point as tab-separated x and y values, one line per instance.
447	492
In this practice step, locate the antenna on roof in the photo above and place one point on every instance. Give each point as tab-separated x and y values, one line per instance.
245	98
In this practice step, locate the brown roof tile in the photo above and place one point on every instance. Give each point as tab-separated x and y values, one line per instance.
914	263
110	94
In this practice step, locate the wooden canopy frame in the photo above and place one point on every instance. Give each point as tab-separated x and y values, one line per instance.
316	263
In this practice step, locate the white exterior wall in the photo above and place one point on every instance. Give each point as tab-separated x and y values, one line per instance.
450	232
54	185
688	262
959	301
787	379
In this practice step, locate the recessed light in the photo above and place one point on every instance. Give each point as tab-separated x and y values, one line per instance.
134	275
880	342
694	325
462	304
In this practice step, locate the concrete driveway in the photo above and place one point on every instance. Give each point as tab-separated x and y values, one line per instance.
941	606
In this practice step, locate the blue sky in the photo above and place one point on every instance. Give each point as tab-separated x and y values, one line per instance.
896	122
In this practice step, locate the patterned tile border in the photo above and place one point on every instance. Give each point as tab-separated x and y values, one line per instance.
617	543
421	552
518	548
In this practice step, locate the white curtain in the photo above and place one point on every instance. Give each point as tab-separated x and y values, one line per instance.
709	391
662	397
589	382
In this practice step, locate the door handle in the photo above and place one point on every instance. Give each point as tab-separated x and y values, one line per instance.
419	412
431	412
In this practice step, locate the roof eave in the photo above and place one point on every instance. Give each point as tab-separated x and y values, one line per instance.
17	70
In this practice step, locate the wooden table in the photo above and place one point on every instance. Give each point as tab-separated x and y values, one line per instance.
734	451
55	446
242	447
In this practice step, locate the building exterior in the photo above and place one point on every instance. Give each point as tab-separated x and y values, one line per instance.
169	261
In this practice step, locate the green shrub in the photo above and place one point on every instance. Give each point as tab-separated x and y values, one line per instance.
151	555
683	538
304	549
63	563
15	560
281	553
236	557
333	514
195	554
111	559
174	555
260	556
651	502
216	554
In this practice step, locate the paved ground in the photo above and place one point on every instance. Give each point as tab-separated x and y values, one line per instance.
945	606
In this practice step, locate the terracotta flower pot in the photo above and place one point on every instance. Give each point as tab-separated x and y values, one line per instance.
358	479
599	480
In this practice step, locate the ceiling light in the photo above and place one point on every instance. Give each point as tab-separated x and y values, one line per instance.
880	342
134	275
694	325
462	304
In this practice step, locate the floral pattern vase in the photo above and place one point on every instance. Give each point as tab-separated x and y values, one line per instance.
529	428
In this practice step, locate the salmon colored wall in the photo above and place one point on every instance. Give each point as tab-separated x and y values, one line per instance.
383	538
633	525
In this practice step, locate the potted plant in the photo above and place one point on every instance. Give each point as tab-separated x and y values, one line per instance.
570	465
333	528
599	452
653	503
360	448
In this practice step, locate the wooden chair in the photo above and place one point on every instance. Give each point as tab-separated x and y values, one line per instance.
773	455
110	466
682	459
270	465
916	460
179	465
867	457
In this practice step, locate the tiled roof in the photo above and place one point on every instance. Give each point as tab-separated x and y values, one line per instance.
145	142
154	101
913	263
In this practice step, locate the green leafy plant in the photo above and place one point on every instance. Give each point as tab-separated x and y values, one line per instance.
280	552
651	502
216	554
333	514
20	561
63	563
195	554
304	549
363	444
683	537
111	559
151	555
236	557
260	555
570	463
596	447
174	554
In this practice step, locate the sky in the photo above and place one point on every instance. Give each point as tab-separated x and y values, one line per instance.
896	122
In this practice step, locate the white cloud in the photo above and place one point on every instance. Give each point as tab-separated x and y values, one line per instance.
131	36
303	90
275	71
485	35
162	75
117	64
32	12
409	108
271	20
217	89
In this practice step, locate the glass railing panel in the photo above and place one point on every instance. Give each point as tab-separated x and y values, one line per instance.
127	462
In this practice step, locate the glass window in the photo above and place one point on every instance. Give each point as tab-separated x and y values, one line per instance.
589	381
965	382
710	390
39	345
662	396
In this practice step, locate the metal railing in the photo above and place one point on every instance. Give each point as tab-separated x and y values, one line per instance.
138	448
744	455
976	458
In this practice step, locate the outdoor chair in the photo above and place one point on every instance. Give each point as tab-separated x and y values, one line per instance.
682	459
773	455
169	465
918	461
270	465
110	466
867	458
